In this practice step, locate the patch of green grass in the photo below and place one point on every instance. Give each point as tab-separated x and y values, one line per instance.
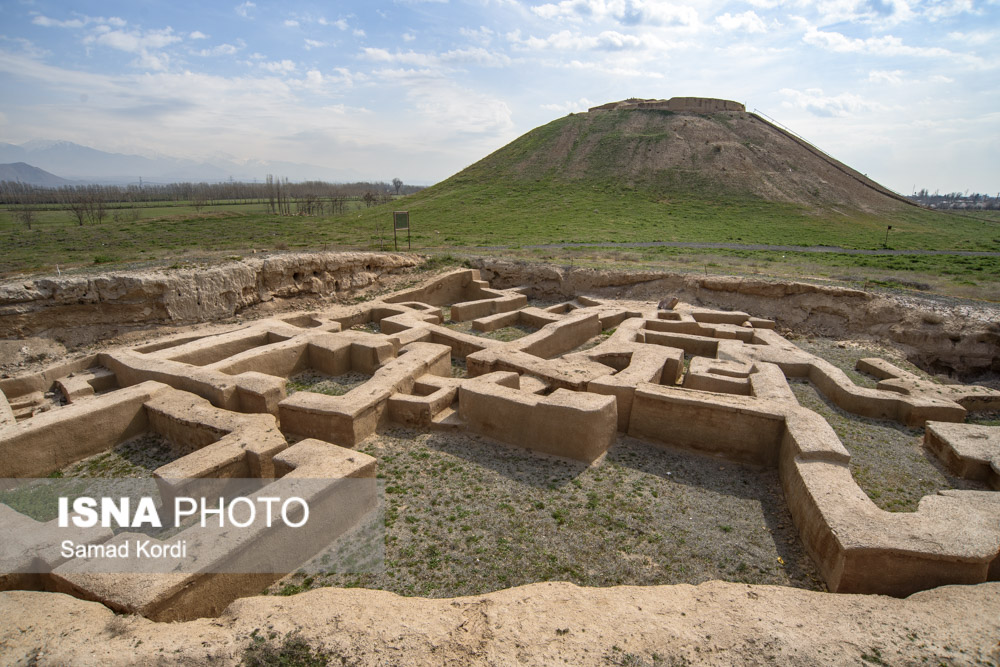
291	650
465	516
983	418
320	383
443	261
873	656
888	460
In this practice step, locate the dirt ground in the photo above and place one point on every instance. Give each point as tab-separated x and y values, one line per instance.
715	623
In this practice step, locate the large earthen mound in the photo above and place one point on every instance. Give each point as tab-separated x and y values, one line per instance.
666	153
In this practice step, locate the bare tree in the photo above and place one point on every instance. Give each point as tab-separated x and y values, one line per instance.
397	183
24	214
74	203
96	206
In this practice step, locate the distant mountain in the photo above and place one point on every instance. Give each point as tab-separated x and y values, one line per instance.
89	165
22	172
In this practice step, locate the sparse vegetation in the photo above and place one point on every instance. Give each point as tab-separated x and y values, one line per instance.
290	650
888	460
466	516
325	384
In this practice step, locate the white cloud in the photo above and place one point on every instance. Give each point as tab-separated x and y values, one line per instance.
314	44
748	21
482	35
408	37
46	22
815	102
615	41
613	70
152	61
450	108
79	22
384	56
135	41
894	77
245	9
291	23
471	56
975	37
146	45
570	107
197	34
627	12
948	8
314	82
339	23
358	32
475	56
27	47
570	9
224	49
881	46
278	66
608	40
345	78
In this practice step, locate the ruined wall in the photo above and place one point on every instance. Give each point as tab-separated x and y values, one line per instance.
675	104
957	340
81	309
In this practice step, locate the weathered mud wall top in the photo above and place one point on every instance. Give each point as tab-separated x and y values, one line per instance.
675	104
957	340
74	309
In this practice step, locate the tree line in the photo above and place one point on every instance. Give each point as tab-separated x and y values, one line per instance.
94	203
957	200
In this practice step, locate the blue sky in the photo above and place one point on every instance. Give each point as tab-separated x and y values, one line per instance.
907	91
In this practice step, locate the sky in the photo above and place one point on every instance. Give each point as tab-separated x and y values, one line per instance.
906	91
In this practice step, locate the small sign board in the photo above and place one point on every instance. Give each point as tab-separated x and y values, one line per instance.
400	221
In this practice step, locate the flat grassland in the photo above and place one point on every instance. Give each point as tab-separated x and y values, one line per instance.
511	218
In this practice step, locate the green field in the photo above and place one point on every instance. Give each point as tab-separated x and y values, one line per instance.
501	206
503	219
608	178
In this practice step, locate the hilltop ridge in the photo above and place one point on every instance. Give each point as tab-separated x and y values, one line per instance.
675	104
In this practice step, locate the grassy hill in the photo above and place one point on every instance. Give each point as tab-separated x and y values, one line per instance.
657	176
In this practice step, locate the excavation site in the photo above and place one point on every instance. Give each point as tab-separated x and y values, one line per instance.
515	462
